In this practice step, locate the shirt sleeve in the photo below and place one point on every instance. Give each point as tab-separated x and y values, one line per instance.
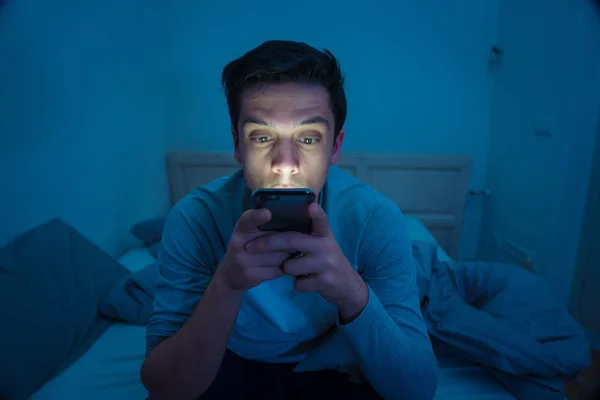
390	337
183	271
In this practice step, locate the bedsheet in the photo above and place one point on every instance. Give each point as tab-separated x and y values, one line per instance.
505	319
109	370
462	380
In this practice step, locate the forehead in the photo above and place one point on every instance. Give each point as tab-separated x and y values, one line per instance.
286	101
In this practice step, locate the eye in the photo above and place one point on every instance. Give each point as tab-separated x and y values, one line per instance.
309	140
262	139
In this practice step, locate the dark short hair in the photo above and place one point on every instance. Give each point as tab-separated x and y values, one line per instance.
280	61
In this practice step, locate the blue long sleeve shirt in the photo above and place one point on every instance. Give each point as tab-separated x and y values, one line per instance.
387	344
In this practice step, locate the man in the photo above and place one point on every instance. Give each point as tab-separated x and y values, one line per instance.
235	316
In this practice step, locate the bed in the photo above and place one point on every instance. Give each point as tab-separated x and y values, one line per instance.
431	190
110	369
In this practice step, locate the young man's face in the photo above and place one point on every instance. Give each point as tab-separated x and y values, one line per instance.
285	136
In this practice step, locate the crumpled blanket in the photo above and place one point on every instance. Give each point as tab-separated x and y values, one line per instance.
504	318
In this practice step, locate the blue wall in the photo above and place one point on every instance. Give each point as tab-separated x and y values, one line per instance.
83	116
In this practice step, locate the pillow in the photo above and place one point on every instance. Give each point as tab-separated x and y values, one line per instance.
51	281
149	231
130	299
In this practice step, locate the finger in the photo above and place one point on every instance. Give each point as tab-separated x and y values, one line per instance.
290	242
310	283
319	221
250	220
304	265
268	273
274	258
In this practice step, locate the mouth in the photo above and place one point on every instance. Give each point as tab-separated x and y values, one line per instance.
284	186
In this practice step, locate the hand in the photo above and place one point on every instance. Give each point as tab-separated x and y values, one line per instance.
323	268
240	270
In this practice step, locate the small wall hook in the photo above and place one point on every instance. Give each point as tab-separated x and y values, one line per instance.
495	54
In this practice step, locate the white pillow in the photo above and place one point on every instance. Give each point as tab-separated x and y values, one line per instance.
136	259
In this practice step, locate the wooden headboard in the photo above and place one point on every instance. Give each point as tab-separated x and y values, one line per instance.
432	188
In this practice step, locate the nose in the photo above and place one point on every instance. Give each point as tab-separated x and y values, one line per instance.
285	159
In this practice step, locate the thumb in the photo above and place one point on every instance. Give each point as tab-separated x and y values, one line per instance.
319	220
251	219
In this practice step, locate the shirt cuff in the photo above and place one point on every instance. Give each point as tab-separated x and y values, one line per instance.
366	320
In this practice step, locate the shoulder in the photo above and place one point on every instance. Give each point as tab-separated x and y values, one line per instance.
365	222
359	201
199	224
373	225
209	199
206	209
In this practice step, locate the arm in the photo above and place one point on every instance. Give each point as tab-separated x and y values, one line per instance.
389	336
193	314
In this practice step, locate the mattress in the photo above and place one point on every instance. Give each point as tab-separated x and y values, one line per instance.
111	368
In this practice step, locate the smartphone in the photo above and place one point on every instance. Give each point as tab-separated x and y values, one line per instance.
289	208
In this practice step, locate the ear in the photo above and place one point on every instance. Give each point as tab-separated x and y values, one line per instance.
236	145
337	147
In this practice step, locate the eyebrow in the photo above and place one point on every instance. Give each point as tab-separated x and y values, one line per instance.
308	121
